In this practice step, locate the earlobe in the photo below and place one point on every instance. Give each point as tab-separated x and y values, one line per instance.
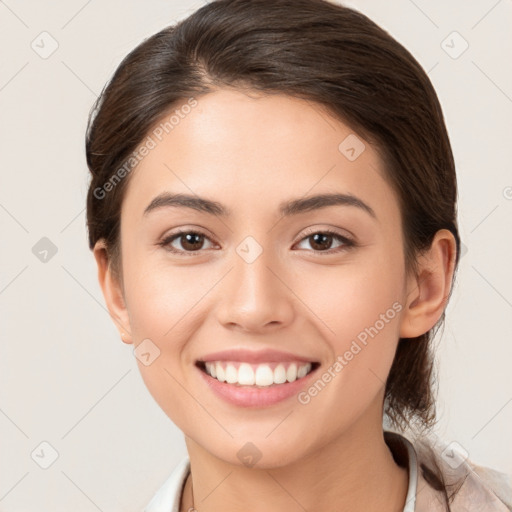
112	292
428	291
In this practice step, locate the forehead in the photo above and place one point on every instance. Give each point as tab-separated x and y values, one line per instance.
254	150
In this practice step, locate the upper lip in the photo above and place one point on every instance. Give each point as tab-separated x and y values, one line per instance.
254	356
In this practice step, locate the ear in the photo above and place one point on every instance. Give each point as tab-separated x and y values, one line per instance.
429	289
112	292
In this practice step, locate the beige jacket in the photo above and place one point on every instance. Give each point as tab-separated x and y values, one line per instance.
470	487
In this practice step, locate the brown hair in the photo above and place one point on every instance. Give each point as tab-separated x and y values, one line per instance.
310	49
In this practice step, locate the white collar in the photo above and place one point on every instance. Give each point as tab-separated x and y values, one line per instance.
412	464
168	497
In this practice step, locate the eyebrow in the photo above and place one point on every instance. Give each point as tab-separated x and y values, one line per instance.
286	209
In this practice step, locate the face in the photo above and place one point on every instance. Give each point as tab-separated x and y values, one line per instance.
322	282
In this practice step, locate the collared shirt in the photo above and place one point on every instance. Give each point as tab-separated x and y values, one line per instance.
474	488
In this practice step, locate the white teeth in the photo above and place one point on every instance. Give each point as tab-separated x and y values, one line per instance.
210	369
301	372
264	375
256	375
220	373
280	374
245	375
291	373
231	374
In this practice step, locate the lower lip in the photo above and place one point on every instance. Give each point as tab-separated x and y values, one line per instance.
249	396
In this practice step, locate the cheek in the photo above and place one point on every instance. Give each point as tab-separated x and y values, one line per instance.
163	304
160	298
358	308
348	299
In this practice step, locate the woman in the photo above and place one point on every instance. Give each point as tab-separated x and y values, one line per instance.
277	334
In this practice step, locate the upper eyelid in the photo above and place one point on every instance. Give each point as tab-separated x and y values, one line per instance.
334	231
309	231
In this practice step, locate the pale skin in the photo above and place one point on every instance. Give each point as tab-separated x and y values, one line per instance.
251	152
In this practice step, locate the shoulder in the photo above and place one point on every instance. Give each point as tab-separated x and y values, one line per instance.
446	472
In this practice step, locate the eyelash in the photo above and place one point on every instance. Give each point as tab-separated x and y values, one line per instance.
347	242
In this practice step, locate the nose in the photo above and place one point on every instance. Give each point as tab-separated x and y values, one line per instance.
255	297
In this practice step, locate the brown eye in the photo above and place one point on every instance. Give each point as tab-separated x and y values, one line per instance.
184	242
322	241
191	241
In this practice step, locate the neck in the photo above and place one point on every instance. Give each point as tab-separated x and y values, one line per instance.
356	471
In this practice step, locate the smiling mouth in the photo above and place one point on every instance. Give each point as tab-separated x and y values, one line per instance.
257	375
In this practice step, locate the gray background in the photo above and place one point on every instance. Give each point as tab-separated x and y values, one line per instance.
65	376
